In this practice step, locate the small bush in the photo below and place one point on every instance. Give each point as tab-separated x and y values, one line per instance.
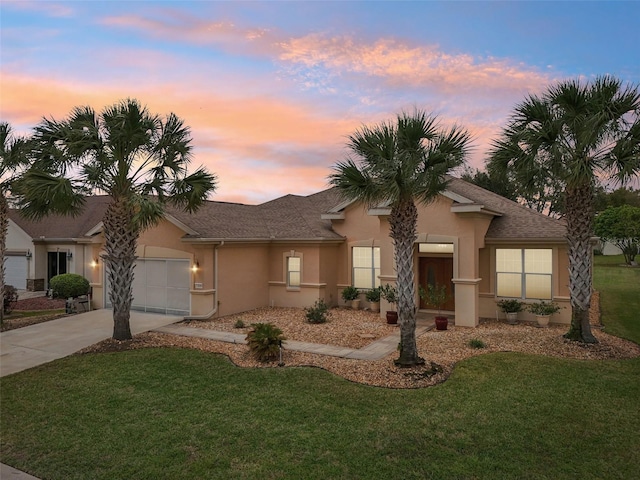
373	295
239	324
476	343
264	341
10	298
350	293
69	285
318	313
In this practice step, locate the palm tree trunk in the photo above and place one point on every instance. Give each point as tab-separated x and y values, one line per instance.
4	226
403	221
121	238
579	232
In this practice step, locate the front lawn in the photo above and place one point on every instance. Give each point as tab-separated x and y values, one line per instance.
185	414
619	288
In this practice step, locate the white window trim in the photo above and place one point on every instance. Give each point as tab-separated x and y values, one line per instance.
285	266
373	269
523	274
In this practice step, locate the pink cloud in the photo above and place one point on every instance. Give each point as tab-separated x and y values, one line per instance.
51	9
398	64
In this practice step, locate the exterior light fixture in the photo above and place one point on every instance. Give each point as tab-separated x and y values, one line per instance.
28	254
69	255
195	267
94	263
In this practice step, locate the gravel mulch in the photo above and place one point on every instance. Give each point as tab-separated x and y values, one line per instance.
441	349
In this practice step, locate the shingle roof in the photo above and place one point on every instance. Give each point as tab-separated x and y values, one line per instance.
64	227
516	221
294	217
288	217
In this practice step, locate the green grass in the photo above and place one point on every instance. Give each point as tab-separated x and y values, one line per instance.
181	414
619	288
32	313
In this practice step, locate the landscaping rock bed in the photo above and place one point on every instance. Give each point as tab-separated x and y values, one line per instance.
444	348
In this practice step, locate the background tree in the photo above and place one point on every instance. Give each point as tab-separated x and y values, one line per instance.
401	164
490	181
575	133
621	227
12	160
138	159
616	198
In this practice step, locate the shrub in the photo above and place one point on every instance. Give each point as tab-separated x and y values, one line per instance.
373	295
264	341
318	313
389	293
476	343
510	305
350	293
239	324
543	308
69	285
10	298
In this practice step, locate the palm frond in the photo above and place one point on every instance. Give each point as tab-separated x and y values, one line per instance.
40	193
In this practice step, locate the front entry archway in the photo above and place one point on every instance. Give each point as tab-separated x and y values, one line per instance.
437	270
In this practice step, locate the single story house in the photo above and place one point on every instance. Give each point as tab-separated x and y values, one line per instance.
228	257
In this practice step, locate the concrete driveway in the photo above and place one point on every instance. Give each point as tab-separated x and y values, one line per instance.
27	347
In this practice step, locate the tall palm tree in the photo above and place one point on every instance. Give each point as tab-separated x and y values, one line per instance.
138	159
401	164
577	133
12	159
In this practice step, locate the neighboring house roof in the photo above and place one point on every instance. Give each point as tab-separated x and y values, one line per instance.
291	217
64	226
294	217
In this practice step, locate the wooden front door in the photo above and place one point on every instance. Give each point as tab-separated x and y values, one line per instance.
437	270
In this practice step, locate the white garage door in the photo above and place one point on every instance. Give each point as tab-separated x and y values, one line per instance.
160	286
15	272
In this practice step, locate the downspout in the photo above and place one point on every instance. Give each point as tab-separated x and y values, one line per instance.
215	277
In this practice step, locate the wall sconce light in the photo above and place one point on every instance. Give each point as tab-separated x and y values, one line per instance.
69	255
28	254
94	263
195	267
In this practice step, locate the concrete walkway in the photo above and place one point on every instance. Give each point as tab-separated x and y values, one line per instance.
374	351
34	345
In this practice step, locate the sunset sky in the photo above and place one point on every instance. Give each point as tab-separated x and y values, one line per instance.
272	89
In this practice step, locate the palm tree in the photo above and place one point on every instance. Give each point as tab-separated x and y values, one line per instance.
401	164
578	134
12	159
138	159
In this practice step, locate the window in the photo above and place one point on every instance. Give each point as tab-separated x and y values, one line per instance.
366	267
524	272
293	272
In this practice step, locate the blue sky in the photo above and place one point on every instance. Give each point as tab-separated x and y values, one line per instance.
272	89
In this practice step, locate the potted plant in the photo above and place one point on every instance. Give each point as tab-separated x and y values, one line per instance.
350	294
390	294
543	311
511	307
373	297
436	295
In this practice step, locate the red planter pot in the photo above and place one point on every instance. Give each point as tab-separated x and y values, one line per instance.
392	317
441	323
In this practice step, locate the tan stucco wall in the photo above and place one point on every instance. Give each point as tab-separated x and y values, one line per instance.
243	276
436	223
560	282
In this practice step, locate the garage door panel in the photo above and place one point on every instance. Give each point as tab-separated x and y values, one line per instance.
156	272
178	274
15	272
161	286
